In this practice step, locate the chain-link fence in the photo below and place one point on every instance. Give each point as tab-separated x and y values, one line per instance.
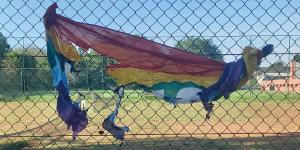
264	114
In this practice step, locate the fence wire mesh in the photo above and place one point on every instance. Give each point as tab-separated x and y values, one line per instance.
264	114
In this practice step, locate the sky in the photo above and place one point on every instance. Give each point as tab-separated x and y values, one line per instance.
230	24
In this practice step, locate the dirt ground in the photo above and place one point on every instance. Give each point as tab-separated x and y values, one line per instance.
232	125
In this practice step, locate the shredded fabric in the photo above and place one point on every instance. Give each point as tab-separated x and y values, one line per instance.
70	112
169	73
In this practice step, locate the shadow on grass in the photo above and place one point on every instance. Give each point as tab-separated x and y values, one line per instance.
15	146
289	142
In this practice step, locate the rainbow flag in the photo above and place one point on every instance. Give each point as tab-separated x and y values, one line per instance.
172	74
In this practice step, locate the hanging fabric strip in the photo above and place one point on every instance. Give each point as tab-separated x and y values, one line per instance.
68	111
109	122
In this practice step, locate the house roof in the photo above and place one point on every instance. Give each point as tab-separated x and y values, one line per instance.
279	72
274	69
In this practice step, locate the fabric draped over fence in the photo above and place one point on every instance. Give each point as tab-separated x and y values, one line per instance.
140	61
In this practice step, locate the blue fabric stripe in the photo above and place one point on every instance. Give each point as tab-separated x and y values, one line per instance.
228	82
67	110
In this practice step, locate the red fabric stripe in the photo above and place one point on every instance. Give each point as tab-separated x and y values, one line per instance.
132	51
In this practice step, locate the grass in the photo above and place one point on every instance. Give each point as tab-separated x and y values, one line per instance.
245	112
137	95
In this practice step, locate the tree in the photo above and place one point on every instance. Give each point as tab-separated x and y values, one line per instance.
23	71
297	58
4	46
203	47
140	35
17	58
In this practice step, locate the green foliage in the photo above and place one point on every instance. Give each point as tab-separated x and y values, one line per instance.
139	35
201	47
92	73
252	84
27	70
16	60
4	47
297	58
15	145
20	71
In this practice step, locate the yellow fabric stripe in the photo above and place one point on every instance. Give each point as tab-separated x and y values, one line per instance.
67	50
250	58
149	78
